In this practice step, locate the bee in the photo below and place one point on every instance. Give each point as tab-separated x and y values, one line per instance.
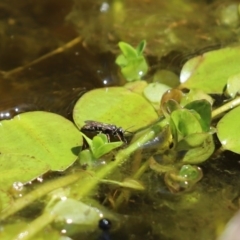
108	129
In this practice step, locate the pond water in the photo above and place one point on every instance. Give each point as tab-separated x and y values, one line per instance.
53	51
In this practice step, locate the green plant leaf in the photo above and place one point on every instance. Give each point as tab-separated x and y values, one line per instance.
99	146
114	105
128	51
132	62
204	109
199	154
233	86
154	92
44	136
195	94
228	129
210	71
191	141
121	61
135	69
140	48
186	122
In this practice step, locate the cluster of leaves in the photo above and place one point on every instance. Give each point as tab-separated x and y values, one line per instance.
37	142
132	62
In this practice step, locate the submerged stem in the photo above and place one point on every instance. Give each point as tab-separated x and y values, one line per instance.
38	193
35	226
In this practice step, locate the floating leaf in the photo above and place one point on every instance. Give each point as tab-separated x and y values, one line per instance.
195	94
210	71
154	92
233	86
136	86
43	136
228	129
166	77
114	105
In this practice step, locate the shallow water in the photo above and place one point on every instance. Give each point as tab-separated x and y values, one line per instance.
175	31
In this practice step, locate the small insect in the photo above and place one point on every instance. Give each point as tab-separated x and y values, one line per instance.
108	129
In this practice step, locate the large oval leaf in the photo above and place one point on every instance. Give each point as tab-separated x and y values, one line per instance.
114	105
210	71
39	136
228	129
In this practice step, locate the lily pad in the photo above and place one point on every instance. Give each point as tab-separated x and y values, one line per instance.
228	129
210	71
43	138
114	105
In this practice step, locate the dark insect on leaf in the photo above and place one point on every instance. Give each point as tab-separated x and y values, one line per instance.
108	129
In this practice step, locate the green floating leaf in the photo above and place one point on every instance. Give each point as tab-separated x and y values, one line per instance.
195	94
204	109
140	48
114	105
166	77
47	139
20	168
228	129
233	86
154	92
210	71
